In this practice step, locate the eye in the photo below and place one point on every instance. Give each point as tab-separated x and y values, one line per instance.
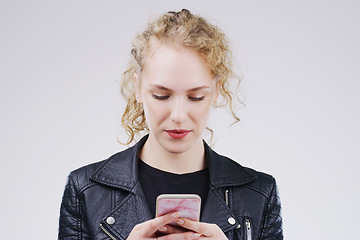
160	97
196	99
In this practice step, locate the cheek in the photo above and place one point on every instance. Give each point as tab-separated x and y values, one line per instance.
201	114
153	113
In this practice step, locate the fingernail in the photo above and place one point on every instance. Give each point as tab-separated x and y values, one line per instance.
197	235
162	229
174	215
179	221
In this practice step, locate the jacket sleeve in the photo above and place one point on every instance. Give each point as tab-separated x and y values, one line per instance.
272	222
71	222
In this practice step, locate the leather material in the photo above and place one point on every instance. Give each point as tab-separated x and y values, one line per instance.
111	189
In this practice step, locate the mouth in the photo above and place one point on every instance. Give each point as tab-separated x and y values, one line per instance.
177	133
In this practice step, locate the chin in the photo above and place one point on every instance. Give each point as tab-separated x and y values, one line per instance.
176	146
176	149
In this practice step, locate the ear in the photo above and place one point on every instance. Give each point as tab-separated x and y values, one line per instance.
217	91
137	88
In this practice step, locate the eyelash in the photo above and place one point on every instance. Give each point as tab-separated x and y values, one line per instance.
195	99
160	97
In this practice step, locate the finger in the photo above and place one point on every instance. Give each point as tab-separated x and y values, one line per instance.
205	229
151	226
169	229
181	236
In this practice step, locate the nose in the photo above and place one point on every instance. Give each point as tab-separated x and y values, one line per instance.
178	111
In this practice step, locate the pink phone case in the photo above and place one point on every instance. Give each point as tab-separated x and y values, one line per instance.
188	205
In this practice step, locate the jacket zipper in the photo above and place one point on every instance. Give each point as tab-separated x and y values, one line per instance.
248	229
107	232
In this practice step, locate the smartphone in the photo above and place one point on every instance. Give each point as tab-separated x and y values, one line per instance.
188	205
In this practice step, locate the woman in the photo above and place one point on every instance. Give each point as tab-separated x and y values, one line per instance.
180	68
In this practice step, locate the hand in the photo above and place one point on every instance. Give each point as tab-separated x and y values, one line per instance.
148	229
201	230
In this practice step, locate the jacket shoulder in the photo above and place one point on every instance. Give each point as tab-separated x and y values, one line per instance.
263	183
81	177
225	171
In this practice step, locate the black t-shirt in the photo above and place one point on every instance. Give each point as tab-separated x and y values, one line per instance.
155	182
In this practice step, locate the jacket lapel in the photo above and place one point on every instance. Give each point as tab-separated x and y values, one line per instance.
120	171
131	211
217	212
224	173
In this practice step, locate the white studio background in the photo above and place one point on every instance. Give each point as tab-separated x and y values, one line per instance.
61	61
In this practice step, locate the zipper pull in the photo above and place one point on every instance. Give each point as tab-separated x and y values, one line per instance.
227	197
107	232
248	229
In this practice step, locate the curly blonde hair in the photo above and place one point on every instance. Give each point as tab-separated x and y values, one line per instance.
192	32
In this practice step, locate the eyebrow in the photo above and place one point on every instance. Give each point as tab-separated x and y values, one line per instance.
160	87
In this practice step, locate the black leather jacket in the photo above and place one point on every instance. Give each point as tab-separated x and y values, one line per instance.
104	200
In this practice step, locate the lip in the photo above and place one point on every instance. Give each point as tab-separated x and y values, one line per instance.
178	133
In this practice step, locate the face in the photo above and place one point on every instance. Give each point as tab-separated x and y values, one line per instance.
177	91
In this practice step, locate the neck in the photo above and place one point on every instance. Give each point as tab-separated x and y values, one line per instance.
153	154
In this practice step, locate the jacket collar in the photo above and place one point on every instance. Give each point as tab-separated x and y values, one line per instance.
120	170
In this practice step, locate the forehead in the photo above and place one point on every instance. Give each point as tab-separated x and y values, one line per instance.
175	66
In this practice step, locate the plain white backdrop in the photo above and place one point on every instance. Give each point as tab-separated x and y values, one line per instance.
60	65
